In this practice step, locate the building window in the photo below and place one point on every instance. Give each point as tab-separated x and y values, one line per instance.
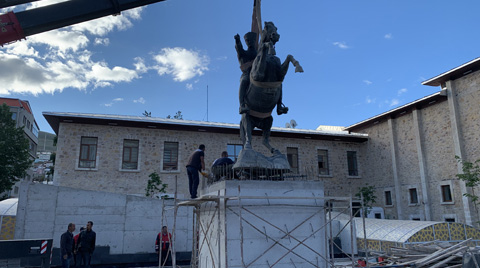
449	219
234	150
378	215
88	152
170	156
388	198
322	156
14	116
28	124
292	156
352	163
24	120
130	154
35	130
413	195
446	193
32	147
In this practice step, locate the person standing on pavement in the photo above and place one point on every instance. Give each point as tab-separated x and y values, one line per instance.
86	245
162	243
66	245
75	245
195	164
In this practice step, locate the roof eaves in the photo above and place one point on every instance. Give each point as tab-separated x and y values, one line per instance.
393	111
166	121
454	73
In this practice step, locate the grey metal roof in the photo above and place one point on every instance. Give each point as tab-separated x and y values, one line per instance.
8	207
455	73
54	119
425	101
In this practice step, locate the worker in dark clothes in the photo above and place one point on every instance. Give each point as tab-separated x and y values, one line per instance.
195	164
222	167
66	246
86	245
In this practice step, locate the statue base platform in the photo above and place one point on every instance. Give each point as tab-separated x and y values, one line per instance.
250	159
261	224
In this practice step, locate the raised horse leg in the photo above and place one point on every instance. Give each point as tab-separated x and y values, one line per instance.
281	109
246	131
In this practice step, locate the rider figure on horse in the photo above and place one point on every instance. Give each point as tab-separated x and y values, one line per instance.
246	58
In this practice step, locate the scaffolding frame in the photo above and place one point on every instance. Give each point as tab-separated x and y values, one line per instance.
214	201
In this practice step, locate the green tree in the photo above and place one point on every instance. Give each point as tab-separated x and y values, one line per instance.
14	151
471	177
155	185
369	197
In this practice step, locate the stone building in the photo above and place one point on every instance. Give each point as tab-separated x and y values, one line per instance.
411	150
117	153
23	116
407	153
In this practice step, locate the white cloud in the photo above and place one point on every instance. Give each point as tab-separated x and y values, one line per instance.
102	41
394	102
140	65
110	104
139	100
104	25
181	63
369	100
388	36
367	82
61	40
401	91
100	72
56	60
342	45
52	61
22	49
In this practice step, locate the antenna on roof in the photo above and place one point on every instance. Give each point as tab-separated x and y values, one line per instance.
287	125
293	123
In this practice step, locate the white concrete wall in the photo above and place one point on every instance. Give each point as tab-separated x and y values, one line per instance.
264	225
126	223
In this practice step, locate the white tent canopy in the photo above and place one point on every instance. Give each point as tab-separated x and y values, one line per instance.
8	207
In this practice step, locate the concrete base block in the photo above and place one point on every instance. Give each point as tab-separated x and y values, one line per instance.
273	223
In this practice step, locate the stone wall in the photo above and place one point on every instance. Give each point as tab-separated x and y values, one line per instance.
438	151
109	177
439	155
127	224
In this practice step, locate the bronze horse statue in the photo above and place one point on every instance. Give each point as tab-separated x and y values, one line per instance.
265	89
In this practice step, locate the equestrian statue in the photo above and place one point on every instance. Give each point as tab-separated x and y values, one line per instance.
261	85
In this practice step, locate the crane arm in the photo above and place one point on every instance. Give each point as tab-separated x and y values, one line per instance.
16	26
9	3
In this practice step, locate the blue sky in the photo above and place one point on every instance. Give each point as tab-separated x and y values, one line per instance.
361	58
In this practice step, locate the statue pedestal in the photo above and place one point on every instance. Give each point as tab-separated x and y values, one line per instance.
250	159
261	224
